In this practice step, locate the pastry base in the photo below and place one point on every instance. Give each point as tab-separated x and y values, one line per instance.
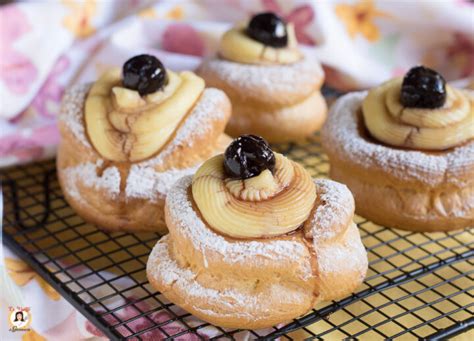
228	304
278	125
262	282
118	213
401	188
131	195
280	102
412	208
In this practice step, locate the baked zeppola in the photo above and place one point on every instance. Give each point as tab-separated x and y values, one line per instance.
254	241
127	137
406	151
274	87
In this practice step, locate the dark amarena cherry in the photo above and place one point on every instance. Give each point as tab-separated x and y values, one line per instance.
247	156
144	73
269	29
423	88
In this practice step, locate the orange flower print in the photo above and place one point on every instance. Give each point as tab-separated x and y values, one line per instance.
32	336
359	18
79	20
175	13
22	274
147	13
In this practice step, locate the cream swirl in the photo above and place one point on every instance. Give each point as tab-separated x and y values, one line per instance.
265	185
236	46
271	204
390	122
123	126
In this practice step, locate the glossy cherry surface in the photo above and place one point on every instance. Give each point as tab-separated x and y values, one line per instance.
144	73
269	29
423	88
247	156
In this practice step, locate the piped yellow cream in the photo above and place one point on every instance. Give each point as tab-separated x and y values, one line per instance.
265	185
236	46
390	122
263	206
124	126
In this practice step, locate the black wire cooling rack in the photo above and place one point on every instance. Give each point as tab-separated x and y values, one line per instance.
418	285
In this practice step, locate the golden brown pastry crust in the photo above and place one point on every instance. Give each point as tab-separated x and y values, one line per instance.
289	123
103	192
407	189
278	102
257	283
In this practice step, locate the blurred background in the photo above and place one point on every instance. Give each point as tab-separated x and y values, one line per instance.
47	45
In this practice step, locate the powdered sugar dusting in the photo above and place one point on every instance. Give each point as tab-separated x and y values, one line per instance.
204	239
341	133
346	253
343	257
198	123
460	158
272	79
72	111
146	182
230	302
142	181
336	206
87	173
171	274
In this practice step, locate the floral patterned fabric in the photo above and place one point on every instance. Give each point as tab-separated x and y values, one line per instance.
46	46
360	43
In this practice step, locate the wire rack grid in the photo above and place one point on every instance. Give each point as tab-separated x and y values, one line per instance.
418	284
